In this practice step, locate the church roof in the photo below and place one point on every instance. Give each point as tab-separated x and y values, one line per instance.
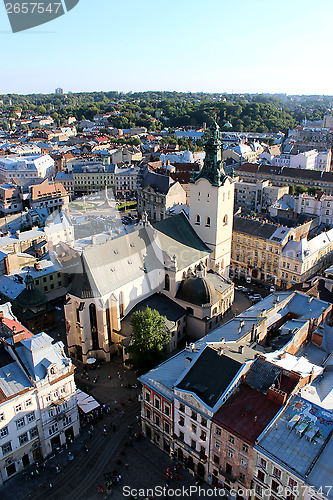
31	298
113	264
177	237
139	254
197	291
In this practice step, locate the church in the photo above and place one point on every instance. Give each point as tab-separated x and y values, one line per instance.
178	266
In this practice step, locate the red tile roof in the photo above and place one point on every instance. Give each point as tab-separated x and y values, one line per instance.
246	413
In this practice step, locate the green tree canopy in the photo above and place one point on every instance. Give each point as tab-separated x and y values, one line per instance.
149	338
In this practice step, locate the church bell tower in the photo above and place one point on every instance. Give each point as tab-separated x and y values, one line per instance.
212	204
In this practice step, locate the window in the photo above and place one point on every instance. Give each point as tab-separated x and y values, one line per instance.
148	414
203	436
243	463
182	407
48	398
218	431
216	460
6	448
193	444
31	416
167	282
261	476
53	429
157	420
194	428
18	408
242	477
167	427
4	432
292	483
194	415
20	423
258	489
167	409
181	421
225	220
2	417
157	403
181	435
263	463
208	222
218	445
277	473
147	396
245	448
231	439
275	485
28	403
23	438
197	219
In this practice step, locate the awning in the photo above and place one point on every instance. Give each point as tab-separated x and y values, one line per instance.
85	402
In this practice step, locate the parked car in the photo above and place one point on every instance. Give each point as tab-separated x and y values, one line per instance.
248	279
272	289
257	297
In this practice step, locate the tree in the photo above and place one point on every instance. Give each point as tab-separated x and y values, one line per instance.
149	337
291	189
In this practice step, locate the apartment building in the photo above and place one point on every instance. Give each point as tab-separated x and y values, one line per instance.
203	386
320	205
125	181
312	160
257	196
265	390
92	178
38	408
25	167
158	193
10	199
51	196
67	181
289	449
284	176
278	254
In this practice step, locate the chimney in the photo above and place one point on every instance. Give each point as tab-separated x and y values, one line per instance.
220	351
7	264
240	349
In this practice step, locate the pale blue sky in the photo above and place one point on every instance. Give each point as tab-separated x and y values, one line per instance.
185	45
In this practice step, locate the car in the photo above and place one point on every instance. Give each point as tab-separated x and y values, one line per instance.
248	279
272	289
257	297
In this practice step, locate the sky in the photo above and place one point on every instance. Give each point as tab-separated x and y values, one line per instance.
234	46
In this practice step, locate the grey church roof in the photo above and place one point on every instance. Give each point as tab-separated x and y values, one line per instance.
177	237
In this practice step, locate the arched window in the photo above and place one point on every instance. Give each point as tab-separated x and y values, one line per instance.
167	282
208	221
225	220
93	326
109	321
197	219
121	305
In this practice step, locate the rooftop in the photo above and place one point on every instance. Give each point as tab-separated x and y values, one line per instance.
254	411
297	436
210	375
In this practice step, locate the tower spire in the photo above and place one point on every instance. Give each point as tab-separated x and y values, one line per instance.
213	169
